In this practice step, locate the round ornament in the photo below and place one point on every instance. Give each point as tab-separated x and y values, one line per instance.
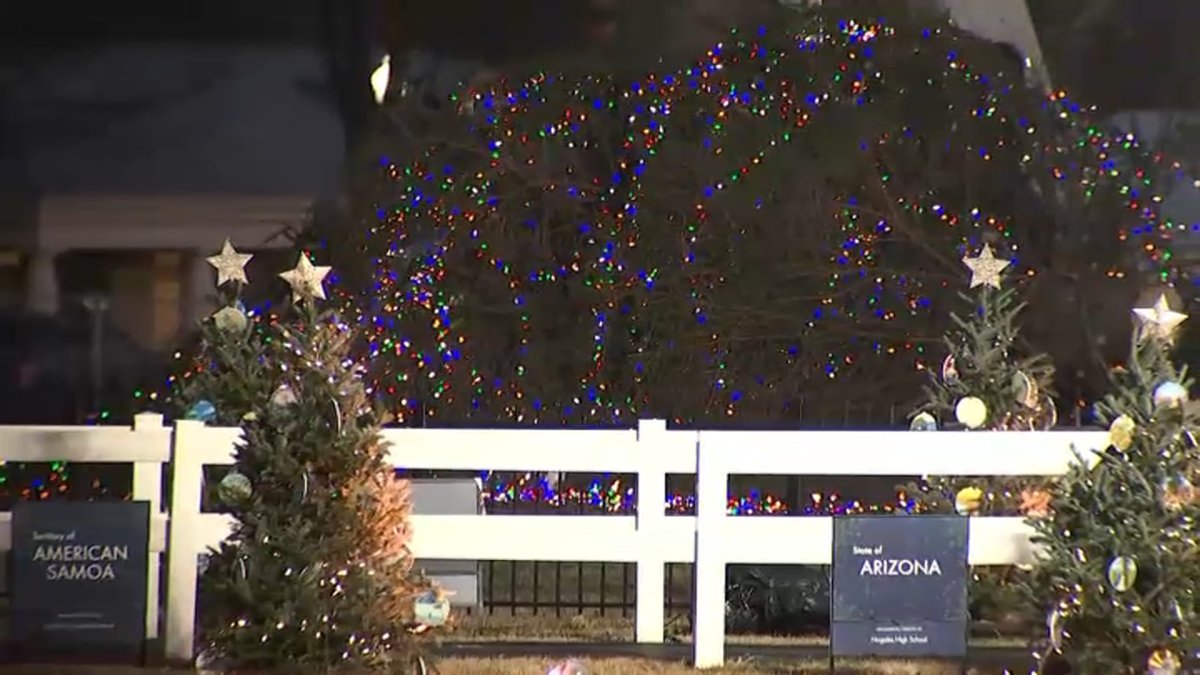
968	501
1120	432
1163	662
1025	390
1047	416
234	488
923	422
1170	395
971	412
1178	492
202	411
230	320
567	667
1122	573
431	609
950	371
283	397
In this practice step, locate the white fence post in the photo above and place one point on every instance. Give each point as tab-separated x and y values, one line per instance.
147	486
187	475
651	504
708	575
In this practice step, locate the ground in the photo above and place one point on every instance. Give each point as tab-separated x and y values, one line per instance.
617	666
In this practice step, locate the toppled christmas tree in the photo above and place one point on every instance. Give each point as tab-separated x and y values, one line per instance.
759	233
985	382
316	574
1118	568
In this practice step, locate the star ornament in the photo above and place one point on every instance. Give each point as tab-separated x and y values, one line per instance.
1159	320
230	265
985	268
305	280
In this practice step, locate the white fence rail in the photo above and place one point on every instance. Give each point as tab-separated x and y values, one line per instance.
711	539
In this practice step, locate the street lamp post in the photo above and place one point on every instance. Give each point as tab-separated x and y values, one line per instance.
96	305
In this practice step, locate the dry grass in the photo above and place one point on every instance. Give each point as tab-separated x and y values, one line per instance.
585	628
611	666
622	666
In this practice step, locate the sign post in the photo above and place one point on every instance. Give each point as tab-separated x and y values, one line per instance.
899	587
79	580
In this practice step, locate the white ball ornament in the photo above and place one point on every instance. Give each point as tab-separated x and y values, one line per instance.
971	412
283	397
1170	395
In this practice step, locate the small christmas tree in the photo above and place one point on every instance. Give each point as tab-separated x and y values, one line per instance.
316	574
984	383
1118	568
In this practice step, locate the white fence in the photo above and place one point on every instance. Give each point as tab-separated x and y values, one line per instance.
711	539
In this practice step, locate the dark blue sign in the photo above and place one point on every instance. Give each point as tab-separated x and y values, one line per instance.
79	579
899	586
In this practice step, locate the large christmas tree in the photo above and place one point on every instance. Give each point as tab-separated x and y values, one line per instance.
987	380
769	227
316	573
1118	569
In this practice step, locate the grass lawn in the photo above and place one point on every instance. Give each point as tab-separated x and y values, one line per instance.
585	628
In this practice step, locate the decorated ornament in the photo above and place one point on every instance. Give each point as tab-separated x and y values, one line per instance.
1054	626
305	280
431	609
283	397
968	501
1159	321
985	268
1177	493
1047	415
1170	395
230	265
230	320
242	570
971	412
1122	573
1163	662
950	370
1035	503
923	422
568	667
202	411
1120	432
1025	390
234	488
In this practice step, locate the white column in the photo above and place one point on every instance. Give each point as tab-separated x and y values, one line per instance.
41	293
199	290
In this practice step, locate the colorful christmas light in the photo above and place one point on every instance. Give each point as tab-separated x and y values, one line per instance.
452	223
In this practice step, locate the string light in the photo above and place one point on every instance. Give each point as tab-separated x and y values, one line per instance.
609	495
